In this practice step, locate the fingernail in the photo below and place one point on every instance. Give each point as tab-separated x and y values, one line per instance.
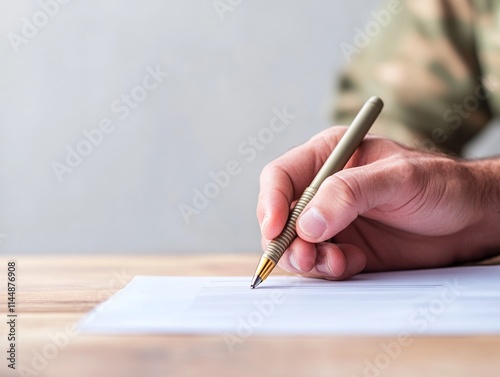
312	223
263	223
324	268
293	262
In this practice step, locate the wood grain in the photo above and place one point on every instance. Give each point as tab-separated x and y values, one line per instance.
54	292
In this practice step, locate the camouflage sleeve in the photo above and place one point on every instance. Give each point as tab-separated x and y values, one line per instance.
420	57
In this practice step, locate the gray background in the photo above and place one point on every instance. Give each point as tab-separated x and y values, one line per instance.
226	77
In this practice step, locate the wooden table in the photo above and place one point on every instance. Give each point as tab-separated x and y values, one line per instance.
53	293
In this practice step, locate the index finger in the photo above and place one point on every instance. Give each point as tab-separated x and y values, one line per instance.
283	180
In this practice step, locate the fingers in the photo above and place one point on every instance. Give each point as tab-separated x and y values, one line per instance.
276	194
323	260
346	195
300	257
369	181
283	180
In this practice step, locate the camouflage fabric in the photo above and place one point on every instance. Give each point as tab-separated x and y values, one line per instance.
436	65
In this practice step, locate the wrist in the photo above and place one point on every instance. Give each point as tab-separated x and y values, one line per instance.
485	192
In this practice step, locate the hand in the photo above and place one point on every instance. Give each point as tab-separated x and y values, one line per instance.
390	208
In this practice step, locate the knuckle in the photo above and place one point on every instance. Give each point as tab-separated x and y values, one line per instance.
410	170
347	191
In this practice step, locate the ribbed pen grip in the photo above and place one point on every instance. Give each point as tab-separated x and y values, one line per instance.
277	247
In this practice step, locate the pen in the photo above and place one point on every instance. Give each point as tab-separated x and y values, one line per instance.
335	162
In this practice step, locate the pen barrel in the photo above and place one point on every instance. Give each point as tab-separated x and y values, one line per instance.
334	163
350	141
277	246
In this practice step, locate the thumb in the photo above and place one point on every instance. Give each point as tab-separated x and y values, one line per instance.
349	193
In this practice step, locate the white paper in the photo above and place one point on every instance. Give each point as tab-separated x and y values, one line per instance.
461	300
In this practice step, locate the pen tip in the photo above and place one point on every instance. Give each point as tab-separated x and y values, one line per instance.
256	281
